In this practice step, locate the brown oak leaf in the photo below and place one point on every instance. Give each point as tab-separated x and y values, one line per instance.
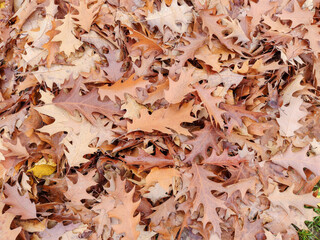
20	205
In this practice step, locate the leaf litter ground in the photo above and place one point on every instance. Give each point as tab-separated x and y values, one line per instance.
158	119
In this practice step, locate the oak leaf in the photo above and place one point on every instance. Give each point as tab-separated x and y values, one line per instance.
259	9
242	186
132	108
78	191
176	17
78	145
147	161
236	31
39	36
164	119
271	236
163	211
212	104
203	139
226	77
209	57
200	189
250	230
125	213
57	231
120	89
58	74
85	104
297	16
20	205
180	88
237	112
288	199
223	159
64	122
67	32
33	56
298	161
9	122
212	23
14	151
275	25
189	51
114	66
312	36
24	12
5	223
155	193
145	43
107	204
289	122
157	93
291	88
86	15
163	176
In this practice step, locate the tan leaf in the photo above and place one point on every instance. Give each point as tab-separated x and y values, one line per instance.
164	119
288	199
86	15
204	54
258	10
5	223
212	104
85	104
188	50
200	189
163	211
176	17
58	74
67	32
147	161
78	145
163	176
155	193
120	88
77	191
57	231
291	88
132	108
125	213
178	89
20	205
203	139
147	44
289	122
33	225
312	35
298	161
24	12
297	16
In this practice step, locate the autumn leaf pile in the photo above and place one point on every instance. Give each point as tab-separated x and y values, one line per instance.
148	119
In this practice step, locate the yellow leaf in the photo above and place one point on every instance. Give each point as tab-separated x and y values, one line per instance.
2	5
41	170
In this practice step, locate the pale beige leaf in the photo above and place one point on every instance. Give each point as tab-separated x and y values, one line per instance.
288	121
176	17
69	43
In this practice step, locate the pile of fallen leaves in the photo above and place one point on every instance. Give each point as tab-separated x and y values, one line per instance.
148	119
